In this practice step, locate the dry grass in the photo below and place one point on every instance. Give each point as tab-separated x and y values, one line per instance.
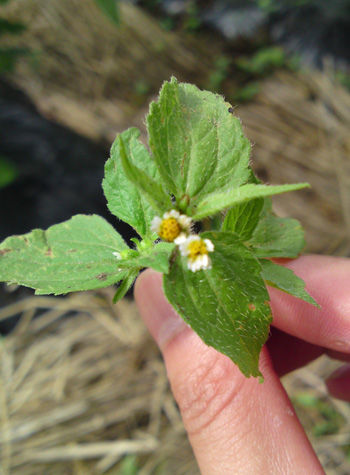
88	388
299	127
88	69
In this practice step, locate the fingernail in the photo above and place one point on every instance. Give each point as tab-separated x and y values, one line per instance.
159	316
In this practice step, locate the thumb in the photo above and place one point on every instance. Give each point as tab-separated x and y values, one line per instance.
235	424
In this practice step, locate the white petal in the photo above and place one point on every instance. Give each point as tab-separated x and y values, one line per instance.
209	245
195	266
117	255
180	239
173	214
205	261
183	246
193	237
155	224
185	221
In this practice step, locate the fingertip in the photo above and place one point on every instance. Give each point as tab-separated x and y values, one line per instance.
338	383
328	281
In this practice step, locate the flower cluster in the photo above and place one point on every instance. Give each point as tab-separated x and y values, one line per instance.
176	227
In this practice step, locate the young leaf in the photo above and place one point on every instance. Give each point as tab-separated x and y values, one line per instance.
125	285
125	199
155	194
228	305
284	279
74	255
197	143
243	218
277	237
157	257
218	201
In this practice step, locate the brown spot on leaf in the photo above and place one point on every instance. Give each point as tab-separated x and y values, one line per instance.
48	252
4	251
230	110
102	276
267	302
251	307
72	250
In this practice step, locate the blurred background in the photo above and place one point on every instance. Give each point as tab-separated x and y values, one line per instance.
88	395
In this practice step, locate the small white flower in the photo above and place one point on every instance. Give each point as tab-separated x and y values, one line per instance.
196	250
172	227
117	255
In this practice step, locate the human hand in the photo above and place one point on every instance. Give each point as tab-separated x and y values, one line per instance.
237	425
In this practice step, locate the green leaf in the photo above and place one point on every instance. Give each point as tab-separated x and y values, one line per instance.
197	143
110	9
228	305
125	285
243	218
218	201
157	257
155	194
284	279
125	200
74	255
277	237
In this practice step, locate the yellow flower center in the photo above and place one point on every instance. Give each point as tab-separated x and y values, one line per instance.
197	248
169	229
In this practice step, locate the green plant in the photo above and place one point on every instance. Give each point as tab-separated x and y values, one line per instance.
343	77
192	19
219	73
263	61
142	87
10	55
110	9
8	172
326	420
128	466
247	92
197	170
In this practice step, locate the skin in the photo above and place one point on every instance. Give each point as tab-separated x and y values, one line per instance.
235	424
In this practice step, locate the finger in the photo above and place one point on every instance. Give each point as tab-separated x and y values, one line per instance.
288	352
328	281
235	424
338	383
338	355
